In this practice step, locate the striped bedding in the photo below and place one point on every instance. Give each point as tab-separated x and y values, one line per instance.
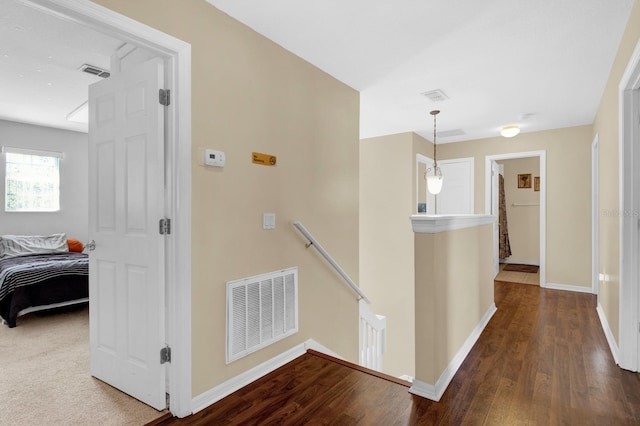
17	274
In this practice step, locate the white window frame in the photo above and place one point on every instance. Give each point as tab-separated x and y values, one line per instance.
31	152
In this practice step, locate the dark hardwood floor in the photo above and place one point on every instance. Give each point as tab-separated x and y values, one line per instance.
542	360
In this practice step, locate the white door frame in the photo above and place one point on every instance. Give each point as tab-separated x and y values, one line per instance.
595	218
629	161
494	210
177	55
543	199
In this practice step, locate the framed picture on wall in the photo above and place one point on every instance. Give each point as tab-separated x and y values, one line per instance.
536	183
524	181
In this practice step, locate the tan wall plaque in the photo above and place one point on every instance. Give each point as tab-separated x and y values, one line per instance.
263	159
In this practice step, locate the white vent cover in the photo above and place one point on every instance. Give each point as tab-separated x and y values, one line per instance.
435	95
92	69
451	133
260	311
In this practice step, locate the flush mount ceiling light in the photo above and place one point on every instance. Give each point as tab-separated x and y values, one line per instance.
434	182
510	131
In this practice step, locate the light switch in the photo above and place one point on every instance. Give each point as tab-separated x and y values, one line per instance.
268	221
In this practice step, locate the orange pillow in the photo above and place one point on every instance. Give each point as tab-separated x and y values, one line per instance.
75	245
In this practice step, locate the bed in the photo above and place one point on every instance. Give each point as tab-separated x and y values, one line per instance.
41	278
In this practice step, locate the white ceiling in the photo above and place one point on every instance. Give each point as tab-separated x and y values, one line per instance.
40	57
540	64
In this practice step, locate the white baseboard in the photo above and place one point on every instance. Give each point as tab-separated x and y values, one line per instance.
613	346
435	392
568	287
520	262
424	390
215	394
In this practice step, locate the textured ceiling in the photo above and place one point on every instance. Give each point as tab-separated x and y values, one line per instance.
40	57
539	64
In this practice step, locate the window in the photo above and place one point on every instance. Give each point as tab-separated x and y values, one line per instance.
32	181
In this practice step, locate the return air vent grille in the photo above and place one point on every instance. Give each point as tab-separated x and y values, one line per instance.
451	133
260	311
92	69
435	95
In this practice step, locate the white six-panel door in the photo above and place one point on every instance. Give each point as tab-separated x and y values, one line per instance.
457	192
126	202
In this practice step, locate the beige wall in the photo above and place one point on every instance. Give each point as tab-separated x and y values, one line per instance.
568	251
450	300
248	94
523	219
606	127
387	200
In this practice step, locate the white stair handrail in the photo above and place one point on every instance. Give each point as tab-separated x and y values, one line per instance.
313	242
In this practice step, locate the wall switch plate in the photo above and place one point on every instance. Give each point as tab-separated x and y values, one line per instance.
268	221
214	158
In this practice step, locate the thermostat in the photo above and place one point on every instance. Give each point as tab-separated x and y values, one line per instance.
213	158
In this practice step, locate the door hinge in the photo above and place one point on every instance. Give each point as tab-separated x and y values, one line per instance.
164	97
165	355
164	226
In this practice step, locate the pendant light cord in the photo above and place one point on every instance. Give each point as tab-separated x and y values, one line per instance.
435	162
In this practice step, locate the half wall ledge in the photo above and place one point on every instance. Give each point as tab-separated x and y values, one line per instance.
432	224
453	288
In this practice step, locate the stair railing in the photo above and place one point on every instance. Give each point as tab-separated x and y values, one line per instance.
372	327
313	242
373	338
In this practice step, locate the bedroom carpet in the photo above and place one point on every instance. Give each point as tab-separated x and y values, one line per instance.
45	380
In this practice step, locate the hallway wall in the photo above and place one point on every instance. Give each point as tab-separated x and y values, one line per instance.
568	188
523	211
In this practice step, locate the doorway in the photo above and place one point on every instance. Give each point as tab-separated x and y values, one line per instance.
629	162
595	217
491	197
457	196
176	55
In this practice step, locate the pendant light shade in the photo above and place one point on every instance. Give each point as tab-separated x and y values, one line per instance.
434	184
434	175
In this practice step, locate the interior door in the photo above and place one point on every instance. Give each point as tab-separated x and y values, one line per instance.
457	192
126	202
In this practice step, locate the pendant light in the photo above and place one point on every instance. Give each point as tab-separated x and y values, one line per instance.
434	182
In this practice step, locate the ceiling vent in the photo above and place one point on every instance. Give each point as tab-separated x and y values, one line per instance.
435	95
451	133
92	69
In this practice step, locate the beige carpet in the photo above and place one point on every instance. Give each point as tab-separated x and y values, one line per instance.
45	379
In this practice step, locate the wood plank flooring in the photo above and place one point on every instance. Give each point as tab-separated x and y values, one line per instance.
542	360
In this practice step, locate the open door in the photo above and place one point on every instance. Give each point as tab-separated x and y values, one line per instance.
126	202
